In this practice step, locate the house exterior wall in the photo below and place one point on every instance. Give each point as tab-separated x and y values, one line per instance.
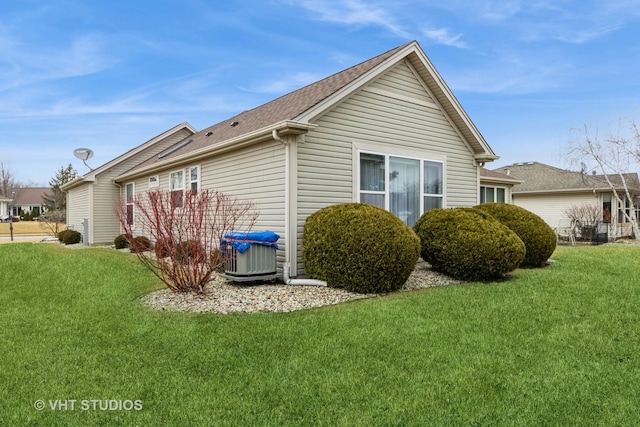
79	198
255	173
103	223
395	114
551	207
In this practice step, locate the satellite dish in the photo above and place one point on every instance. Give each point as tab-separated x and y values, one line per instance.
84	154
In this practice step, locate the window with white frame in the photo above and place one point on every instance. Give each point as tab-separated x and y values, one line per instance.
405	186
194	178
129	199
493	194
176	185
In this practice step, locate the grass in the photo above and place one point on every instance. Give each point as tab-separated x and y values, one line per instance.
555	346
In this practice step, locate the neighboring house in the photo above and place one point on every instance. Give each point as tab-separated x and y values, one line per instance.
28	200
387	132
5	206
549	191
496	186
92	197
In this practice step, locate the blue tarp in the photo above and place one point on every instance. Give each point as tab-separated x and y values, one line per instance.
241	241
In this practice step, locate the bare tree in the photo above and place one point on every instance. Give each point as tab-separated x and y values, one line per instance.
587	214
614	156
56	203
185	230
8	183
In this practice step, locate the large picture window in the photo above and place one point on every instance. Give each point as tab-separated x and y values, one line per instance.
405	186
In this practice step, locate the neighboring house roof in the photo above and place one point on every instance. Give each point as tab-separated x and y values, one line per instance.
294	113
487	176
31	196
540	178
140	149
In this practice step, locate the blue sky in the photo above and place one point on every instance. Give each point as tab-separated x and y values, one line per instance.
110	75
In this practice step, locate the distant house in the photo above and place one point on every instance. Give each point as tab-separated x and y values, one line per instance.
387	132
30	200
549	191
26	201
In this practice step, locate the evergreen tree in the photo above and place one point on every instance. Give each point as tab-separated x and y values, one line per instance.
56	204
57	201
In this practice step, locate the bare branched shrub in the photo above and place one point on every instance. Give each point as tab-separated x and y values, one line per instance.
53	221
185	230
585	213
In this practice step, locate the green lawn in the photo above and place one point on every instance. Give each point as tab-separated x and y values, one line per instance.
554	346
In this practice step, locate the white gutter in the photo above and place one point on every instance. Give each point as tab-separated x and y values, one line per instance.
287	220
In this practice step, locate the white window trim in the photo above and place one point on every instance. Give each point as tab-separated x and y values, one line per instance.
495	193
388	152
132	204
184	181
198	181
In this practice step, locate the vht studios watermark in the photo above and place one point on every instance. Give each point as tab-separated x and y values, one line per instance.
88	405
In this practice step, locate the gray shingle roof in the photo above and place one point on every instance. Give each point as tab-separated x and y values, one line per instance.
286	107
538	177
490	175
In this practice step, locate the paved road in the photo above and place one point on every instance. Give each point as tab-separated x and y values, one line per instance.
7	239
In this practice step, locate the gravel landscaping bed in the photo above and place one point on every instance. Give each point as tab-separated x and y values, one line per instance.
226	297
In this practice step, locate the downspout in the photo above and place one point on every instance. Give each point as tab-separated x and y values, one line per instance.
287	220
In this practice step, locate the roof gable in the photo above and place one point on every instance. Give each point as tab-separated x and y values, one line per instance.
295	111
139	150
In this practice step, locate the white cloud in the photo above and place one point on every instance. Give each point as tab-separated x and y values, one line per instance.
26	64
444	36
354	12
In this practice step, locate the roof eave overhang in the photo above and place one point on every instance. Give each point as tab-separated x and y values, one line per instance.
570	190
287	127
508	181
483	158
78	181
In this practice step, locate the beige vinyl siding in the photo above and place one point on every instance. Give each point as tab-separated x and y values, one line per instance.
551	207
255	173
105	225
395	113
79	198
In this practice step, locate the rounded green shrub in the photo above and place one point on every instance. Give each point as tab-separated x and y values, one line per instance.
61	235
539	239
468	244
359	247
71	237
140	244
121	241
